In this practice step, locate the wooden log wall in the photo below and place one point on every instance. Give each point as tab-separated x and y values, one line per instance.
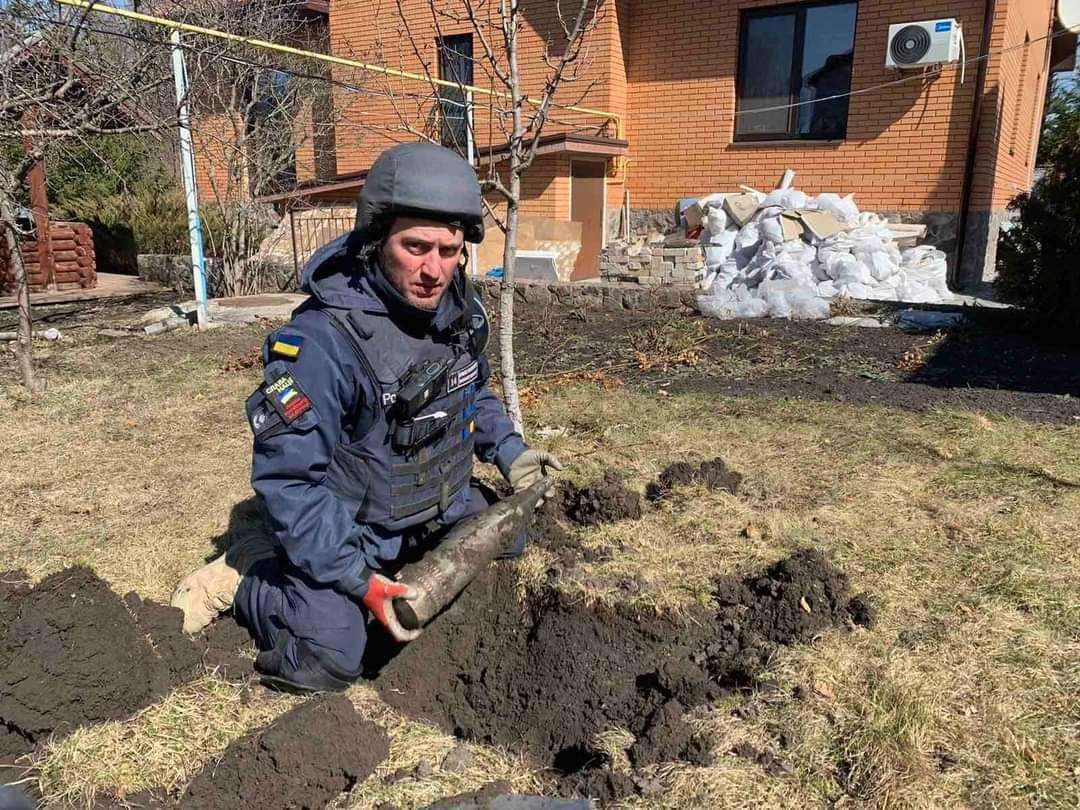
75	266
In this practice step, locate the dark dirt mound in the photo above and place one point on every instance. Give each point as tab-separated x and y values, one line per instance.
304	759
603	501
547	675
73	653
712	474
547	531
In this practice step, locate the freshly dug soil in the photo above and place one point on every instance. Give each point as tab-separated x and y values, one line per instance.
604	501
547	675
989	366
713	475
73	653
304	759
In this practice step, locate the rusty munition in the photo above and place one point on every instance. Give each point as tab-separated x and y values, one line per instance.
470	546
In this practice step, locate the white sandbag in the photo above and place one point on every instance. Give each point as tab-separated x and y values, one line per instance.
915	292
717	252
715	200
752	308
777	304
881	265
838	241
792	267
747	236
827	289
772	230
753	272
717	305
843	208
922	256
836	263
883	292
857	273
808	307
785	198
855	290
716	221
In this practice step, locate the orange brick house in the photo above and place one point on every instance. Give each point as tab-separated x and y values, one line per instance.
693	88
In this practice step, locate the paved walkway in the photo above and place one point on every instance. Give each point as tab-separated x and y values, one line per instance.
239	310
110	285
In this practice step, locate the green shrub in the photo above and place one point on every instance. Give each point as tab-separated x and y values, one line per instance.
154	218
1038	260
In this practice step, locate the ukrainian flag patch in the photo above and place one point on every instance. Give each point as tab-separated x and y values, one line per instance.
287	346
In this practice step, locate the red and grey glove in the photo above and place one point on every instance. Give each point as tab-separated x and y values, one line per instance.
379	599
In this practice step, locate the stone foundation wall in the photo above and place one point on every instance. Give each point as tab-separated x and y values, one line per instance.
609	296
175	273
979	262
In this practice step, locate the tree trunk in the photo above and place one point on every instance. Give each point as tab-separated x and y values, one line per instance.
506	310
511	398
24	347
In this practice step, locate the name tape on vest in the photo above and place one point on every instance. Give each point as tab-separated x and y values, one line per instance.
462	377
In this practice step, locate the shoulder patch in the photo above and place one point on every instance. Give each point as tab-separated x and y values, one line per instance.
263	418
287	346
287	398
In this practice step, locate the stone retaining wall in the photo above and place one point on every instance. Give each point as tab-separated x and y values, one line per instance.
610	296
175	273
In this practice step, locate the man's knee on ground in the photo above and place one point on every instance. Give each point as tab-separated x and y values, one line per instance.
296	665
312	637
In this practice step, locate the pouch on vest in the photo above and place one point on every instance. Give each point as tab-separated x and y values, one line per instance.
414	433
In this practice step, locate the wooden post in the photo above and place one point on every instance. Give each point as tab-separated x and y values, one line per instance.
39	204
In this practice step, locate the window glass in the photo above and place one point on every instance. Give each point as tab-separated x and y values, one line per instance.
456	65
788	58
829	41
766	73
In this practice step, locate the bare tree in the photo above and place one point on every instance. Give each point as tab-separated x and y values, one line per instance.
509	126
254	111
64	79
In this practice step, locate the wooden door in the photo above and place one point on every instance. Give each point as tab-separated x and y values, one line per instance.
587	207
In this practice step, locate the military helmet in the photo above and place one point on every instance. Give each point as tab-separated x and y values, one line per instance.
420	180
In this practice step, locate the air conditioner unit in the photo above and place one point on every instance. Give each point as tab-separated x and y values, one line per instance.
918	44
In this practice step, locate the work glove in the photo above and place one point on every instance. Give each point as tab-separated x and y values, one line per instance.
530	467
379	599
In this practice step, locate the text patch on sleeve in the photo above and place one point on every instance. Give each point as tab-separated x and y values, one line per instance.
287	398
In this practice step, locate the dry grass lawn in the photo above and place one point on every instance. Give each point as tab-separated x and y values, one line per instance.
966	693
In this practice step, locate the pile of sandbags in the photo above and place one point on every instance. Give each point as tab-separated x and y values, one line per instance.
786	255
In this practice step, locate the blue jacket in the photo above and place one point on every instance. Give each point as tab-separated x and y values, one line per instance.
317	390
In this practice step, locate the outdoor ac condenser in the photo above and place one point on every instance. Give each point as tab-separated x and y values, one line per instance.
918	44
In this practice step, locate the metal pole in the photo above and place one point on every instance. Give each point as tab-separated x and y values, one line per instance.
187	166
470	154
295	258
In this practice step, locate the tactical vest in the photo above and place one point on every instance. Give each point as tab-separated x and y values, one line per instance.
395	472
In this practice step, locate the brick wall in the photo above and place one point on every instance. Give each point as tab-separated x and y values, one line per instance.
1013	102
381	110
905	144
220	173
545	188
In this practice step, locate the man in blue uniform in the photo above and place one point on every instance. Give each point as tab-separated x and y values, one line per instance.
374	403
